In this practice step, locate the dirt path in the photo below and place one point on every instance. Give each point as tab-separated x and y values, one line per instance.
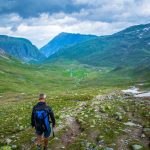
132	133
73	130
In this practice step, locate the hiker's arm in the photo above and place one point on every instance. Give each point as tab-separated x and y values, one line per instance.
52	117
32	118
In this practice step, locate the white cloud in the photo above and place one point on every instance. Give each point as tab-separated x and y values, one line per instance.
41	30
98	17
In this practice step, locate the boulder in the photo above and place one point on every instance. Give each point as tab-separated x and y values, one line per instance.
8	141
136	147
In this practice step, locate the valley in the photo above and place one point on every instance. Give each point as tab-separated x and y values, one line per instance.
95	122
98	87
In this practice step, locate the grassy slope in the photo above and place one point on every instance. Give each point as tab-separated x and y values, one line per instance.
16	77
127	48
63	83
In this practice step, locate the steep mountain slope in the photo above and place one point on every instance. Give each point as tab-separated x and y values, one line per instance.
64	40
3	54
130	47
20	48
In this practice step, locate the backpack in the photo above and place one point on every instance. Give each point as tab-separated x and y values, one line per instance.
41	118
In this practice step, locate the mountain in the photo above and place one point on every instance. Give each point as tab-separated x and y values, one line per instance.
20	48
3	54
130	47
64	40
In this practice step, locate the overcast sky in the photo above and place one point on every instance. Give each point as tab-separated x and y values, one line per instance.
41	20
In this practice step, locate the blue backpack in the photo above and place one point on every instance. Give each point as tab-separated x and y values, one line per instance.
41	118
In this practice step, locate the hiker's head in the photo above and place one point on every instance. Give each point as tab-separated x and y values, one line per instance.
42	97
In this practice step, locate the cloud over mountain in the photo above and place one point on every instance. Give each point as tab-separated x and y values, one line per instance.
46	18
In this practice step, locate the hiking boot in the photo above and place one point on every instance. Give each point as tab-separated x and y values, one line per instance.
38	147
45	148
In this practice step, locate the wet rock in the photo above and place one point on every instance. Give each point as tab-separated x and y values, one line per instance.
136	147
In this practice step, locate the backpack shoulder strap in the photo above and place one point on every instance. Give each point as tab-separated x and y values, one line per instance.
42	107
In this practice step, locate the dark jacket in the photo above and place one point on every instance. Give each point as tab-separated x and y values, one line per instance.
49	110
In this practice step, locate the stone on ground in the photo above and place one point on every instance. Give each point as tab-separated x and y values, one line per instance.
136	147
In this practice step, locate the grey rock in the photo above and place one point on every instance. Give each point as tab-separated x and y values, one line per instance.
146	131
143	136
108	148
14	146
131	124
101	142
8	141
136	147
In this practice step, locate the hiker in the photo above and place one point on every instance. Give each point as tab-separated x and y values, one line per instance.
40	119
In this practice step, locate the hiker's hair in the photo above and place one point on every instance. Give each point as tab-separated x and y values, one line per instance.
42	96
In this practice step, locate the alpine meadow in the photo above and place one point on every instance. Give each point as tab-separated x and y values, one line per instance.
91	62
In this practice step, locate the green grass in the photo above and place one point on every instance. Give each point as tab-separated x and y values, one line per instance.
24	78
67	85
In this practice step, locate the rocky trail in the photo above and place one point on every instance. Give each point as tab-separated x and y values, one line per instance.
132	133
72	131
114	121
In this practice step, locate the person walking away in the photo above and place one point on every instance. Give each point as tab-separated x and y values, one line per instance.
40	120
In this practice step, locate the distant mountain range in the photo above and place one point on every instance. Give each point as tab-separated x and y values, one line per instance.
130	47
64	40
20	48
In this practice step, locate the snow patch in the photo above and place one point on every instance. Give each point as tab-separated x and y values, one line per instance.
146	29
147	94
140	35
136	93
132	90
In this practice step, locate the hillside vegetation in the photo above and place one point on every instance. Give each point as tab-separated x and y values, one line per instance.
130	47
20	48
84	86
64	40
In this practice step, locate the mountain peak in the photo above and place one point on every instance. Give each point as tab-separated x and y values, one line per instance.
19	48
130	47
137	30
64	40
